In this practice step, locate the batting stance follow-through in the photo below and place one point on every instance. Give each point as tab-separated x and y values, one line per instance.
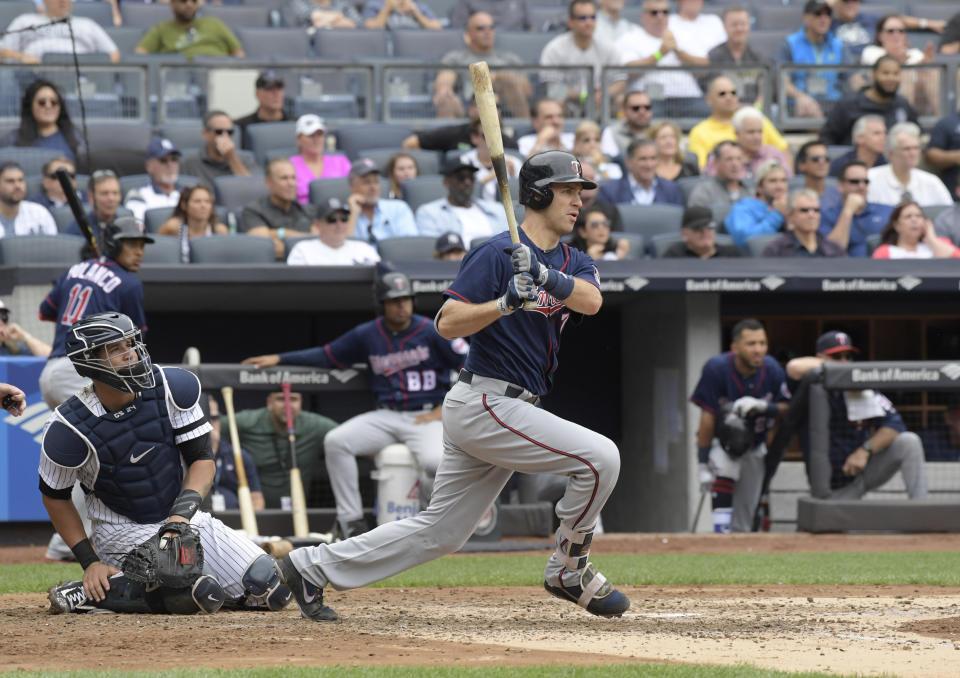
126	439
491	423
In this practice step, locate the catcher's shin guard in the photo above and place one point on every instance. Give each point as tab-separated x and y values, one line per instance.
262	584
593	593
206	596
308	596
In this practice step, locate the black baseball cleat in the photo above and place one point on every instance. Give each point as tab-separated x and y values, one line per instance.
308	596
353	529
594	594
68	597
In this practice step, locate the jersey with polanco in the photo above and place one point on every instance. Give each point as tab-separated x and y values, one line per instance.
521	348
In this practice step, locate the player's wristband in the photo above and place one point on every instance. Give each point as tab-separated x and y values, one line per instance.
186	504
84	553
503	307
703	454
560	285
772	410
657	56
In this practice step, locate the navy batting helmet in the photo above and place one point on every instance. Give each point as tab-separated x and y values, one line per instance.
545	168
120	229
86	344
393	285
734	433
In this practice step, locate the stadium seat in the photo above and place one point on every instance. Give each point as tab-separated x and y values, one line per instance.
140	14
234	192
636	243
767	43
931	212
40	249
64	217
274	43
280	153
758	243
263	136
343	43
232	249
126	37
154	217
936	10
101	12
132	136
411	107
428	162
354	139
687	184
67	58
11	9
409	45
165	250
328	106
31	160
423	189
650	220
188	134
419	248
525	45
661	242
322	190
873	242
132	181
235	16
548	18
777	17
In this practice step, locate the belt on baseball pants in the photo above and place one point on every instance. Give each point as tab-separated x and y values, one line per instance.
497	386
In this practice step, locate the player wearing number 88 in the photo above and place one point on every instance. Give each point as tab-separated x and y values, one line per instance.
410	366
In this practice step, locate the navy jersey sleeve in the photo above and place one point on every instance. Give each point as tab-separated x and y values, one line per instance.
778	385
342	352
484	274
582	266
709	389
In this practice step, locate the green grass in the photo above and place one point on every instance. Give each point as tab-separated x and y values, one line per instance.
925	568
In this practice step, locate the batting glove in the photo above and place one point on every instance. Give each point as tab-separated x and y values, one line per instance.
560	285
520	288
522	259
705	477
748	405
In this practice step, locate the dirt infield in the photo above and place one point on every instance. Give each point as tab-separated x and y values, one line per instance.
907	631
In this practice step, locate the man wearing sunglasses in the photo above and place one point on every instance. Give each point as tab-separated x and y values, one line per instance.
850	223
800	237
190	35
813	164
163	167
857	29
866	440
51	195
332	248
636	115
219	157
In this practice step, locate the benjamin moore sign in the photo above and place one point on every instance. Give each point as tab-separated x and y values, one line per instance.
926	375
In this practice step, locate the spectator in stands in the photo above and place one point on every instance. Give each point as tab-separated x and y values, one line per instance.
611	26
277	215
508	15
51	194
858	29
696	33
635	116
453	137
219	156
19	216
950	40
577	47
920	88
814	44
813	164
44	121
641	185
104	190
593	237
225	479
941	442
699	233
869	134
311	163
449	247
764	214
901	180
801	238
270	92
724	103
588	199
878	98
332	248
586	146
850	223
726	187
58	34
14	340
867	447
460	212
735	51
401	167
947	223
672	162
316	14
546	116
910	235
397	14
190	35
193	217
479	40
943	149
373	218
163	167
479	156
748	124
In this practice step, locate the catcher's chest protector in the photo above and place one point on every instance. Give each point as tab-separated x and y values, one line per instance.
140	470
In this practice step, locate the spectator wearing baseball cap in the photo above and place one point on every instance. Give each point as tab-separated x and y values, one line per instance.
311	163
270	94
373	218
470	218
449	247
332	248
699	233
163	190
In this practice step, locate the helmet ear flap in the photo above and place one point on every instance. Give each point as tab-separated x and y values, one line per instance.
539	197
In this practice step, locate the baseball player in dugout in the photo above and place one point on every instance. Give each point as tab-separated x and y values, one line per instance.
410	366
126	439
740	395
96	285
492	425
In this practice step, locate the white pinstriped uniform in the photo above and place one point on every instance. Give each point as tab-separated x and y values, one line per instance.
227	554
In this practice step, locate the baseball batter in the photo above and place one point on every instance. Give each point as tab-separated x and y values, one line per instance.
126	440
492	425
410	366
756	386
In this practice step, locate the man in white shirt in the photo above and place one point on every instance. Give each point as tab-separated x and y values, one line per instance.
901	180
163	166
19	216
610	25
332	247
29	46
546	116
696	33
459	212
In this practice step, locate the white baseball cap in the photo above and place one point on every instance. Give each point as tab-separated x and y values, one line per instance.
309	124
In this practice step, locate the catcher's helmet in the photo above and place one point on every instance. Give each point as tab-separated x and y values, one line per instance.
545	168
393	285
734	433
120	229
88	336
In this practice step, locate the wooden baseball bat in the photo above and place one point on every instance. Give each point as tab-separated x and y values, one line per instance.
77	209
300	527
490	122
248	519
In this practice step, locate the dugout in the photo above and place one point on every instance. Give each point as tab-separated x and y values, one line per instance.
626	373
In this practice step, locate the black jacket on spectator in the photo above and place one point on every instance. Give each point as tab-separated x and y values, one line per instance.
836	130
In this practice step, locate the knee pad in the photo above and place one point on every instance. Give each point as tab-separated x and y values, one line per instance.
261	583
206	596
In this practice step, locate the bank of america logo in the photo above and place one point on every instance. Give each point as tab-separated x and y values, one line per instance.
908	282
951	371
343	376
33	419
636	282
772	282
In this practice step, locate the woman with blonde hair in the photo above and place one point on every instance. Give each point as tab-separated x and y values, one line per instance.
672	164
586	146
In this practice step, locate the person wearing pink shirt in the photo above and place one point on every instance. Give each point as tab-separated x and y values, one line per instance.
311	163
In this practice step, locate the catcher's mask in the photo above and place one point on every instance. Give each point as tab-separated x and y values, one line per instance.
91	341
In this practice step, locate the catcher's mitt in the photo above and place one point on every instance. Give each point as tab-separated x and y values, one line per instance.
174	562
